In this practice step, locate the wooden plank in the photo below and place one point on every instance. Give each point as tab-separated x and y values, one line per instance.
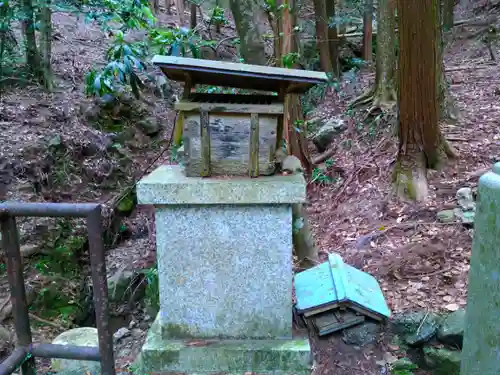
254	145
230	144
221	73
205	144
189	106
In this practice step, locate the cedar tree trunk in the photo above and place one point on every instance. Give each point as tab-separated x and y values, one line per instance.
448	19
296	141
421	144
333	39
46	44
383	94
248	17
322	35
367	30
28	27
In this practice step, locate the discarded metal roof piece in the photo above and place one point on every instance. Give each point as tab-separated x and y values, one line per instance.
334	285
238	75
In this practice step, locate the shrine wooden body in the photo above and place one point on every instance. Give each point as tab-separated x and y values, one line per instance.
232	134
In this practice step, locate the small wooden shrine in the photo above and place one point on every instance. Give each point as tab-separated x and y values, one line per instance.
233	134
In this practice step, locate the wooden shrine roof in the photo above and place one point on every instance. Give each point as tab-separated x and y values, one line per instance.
238	75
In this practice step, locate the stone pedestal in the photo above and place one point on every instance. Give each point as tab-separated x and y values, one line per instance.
481	346
224	249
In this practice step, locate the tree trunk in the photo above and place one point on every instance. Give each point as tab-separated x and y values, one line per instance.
448	19
46	44
342	26
447	108
383	94
193	16
155	6
367	30
333	40
28	26
303	241
420	139
294	132
322	35
248	17
179	4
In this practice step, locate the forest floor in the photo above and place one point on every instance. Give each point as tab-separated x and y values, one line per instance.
420	263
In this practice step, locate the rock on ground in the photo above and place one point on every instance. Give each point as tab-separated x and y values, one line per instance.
451	331
83	336
362	334
417	327
442	361
327	132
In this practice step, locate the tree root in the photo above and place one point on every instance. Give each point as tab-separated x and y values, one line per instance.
377	100
364	99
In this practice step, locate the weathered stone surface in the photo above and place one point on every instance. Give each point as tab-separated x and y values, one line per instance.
481	346
121	285
264	357
225	270
466	217
149	126
416	327
5	339
446	216
465	199
451	331
361	334
327	132
442	361
84	336
168	185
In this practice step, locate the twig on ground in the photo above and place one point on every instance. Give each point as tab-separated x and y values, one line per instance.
48	322
423	321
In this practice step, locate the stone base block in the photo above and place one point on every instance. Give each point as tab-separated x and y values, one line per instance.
232	357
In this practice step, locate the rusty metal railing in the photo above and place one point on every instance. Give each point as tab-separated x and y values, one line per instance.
24	355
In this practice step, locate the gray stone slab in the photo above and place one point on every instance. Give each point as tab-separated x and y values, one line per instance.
225	271
168	185
481	346
234	357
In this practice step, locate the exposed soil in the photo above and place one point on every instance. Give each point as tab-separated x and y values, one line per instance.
421	264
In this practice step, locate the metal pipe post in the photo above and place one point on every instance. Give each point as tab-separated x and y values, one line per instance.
100	290
15	268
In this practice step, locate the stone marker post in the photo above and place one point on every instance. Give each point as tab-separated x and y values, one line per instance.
224	250
481	346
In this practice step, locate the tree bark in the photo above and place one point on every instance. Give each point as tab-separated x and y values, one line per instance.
293	122
192	24
179	4
333	40
46	44
303	241
342	26
448	19
28	27
322	35
367	30
447	108
420	139
248	17
155	6
294	132
383	94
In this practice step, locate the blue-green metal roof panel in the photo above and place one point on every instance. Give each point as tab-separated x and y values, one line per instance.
359	289
314	288
333	284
